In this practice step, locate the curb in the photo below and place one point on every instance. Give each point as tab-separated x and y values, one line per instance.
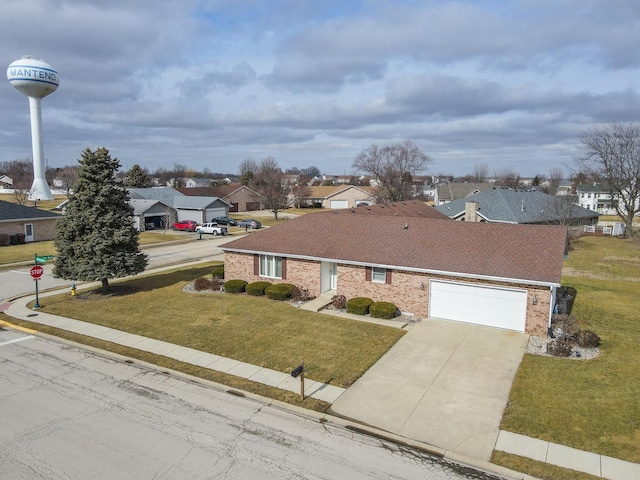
336	421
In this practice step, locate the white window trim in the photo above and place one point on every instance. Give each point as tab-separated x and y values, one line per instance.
269	265
377	271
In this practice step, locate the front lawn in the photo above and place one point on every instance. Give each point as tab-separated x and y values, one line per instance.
591	405
255	330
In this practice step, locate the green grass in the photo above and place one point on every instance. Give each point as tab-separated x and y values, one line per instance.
255	330
25	253
590	405
543	471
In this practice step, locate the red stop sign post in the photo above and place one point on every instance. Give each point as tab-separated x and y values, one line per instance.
36	272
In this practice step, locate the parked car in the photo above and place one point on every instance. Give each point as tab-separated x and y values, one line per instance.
225	221
185	225
249	223
212	228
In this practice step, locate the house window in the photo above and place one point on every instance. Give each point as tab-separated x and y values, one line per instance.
270	266
378	275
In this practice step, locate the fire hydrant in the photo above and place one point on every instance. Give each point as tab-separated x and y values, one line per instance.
73	289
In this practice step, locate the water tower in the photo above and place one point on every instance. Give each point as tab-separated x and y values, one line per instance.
35	79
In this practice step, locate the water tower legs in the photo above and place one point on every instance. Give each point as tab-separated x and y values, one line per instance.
39	189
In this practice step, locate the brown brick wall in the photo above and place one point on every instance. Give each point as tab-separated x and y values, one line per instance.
42	229
408	290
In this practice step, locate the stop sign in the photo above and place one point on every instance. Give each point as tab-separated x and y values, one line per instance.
36	272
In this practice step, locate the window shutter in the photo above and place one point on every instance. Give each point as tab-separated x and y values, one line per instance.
256	264
367	274
387	278
284	268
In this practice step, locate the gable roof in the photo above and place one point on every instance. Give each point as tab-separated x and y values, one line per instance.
330	191
141	205
517	206
515	253
163	194
12	211
220	191
407	208
198	203
448	192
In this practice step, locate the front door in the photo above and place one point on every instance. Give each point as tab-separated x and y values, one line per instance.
28	233
329	276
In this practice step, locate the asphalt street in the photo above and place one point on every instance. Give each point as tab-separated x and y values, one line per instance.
15	282
72	414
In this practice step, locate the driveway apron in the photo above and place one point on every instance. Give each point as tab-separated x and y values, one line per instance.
444	383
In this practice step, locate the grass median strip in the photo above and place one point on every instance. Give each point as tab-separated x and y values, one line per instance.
186	368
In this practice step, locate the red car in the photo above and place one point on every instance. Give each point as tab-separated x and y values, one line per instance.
185	225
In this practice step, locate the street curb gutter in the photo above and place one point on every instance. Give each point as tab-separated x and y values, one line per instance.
311	415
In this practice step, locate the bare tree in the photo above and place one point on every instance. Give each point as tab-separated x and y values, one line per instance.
480	172
611	155
393	167
555	178
300	190
269	182
247	170
507	177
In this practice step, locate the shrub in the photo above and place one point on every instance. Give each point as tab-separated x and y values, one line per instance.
301	295
279	291
359	305
202	284
565	326
339	302
257	288
587	339
234	286
559	348
218	272
385	310
4	239
216	284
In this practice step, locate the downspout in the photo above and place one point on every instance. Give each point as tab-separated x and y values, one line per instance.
551	311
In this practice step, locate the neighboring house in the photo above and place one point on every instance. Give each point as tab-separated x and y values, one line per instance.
405	208
6	182
240	197
504	205
151	214
20	224
180	206
497	275
448	192
196	182
599	197
340	196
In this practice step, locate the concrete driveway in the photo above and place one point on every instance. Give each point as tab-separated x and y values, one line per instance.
444	383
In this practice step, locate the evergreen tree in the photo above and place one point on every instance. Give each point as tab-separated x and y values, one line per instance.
136	177
96	238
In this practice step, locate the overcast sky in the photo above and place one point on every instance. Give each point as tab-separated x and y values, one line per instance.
209	83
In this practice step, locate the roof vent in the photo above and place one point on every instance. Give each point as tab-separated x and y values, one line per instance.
406	226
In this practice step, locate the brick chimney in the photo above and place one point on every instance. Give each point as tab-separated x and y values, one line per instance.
471	212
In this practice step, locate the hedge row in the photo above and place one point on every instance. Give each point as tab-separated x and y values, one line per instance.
284	291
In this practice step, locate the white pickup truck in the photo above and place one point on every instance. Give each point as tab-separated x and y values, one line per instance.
212	228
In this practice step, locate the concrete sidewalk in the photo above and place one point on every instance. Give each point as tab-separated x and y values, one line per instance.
567	457
412	431
273	378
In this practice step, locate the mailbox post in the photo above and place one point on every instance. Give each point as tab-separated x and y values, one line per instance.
299	371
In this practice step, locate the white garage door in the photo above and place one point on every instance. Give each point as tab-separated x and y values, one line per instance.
339	203
482	305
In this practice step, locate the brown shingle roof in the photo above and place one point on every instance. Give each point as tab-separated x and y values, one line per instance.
521	252
407	208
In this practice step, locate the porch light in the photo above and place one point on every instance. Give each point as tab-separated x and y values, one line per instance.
421	285
534	300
